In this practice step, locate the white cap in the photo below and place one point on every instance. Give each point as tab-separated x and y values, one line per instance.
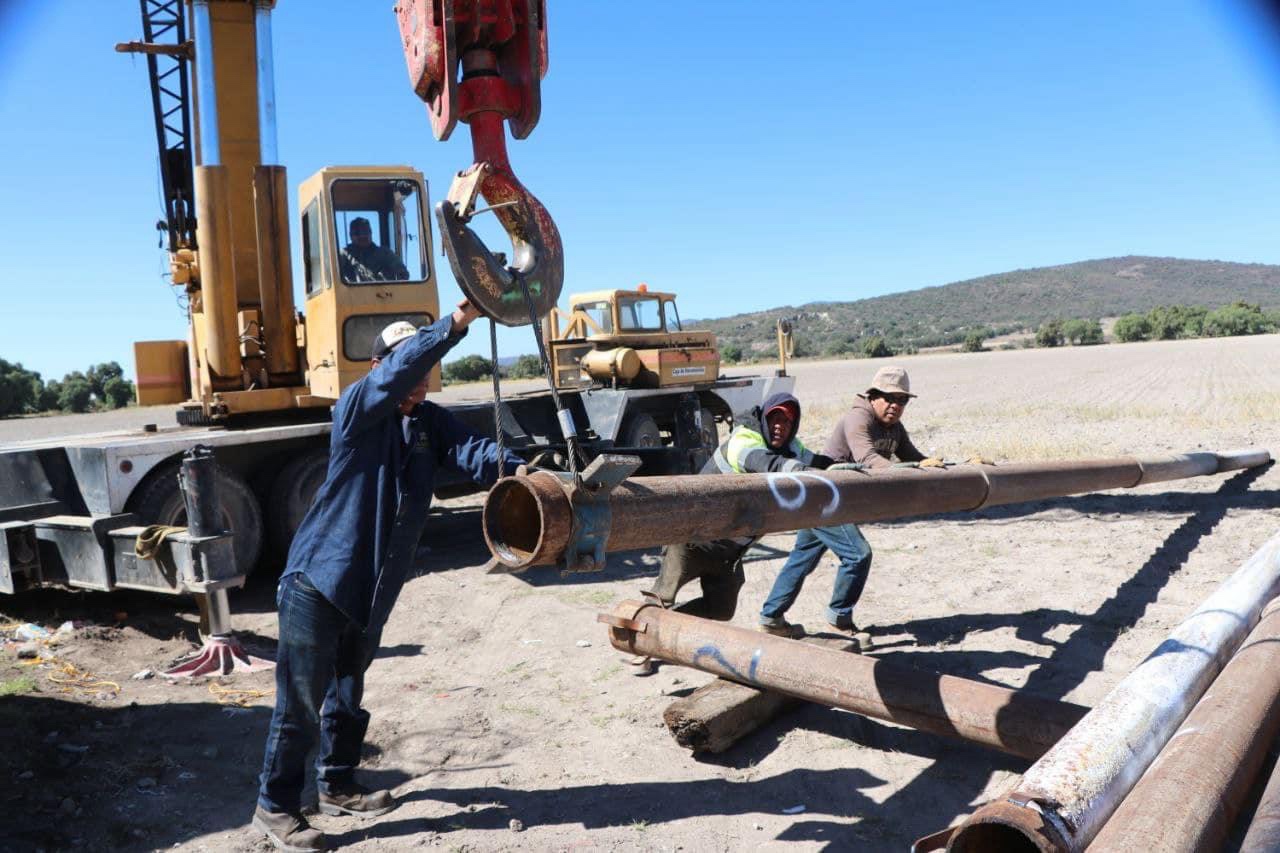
387	339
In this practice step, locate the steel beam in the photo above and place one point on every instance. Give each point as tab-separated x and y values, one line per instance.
530	520
998	717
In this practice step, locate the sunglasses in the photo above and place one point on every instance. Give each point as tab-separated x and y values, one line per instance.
896	399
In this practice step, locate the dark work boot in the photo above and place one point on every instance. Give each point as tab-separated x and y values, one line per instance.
289	832
357	800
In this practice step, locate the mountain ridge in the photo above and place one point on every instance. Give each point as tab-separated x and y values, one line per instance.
1005	302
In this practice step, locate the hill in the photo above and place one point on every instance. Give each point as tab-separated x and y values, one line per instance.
1005	302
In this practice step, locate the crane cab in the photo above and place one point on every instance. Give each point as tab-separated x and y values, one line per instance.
366	262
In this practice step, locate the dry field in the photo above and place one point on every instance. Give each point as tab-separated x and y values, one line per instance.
488	710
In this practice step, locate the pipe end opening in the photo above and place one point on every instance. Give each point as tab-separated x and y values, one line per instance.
513	523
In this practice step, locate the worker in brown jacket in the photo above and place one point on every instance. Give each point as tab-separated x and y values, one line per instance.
870	434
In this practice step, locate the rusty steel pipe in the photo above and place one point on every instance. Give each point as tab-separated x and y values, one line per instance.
1066	796
1188	798
1004	719
529	520
1263	835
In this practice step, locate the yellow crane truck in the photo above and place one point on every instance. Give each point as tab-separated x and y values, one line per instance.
255	378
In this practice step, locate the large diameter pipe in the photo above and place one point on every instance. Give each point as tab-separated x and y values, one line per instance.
1189	797
217	272
529	520
1069	794
1004	719
275	271
1263	835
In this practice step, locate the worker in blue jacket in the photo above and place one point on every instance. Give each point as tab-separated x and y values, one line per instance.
348	562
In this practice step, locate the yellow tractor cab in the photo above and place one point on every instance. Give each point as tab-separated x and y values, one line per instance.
628	338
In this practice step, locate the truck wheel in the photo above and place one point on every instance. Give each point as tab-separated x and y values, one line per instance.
159	501
640	431
292	493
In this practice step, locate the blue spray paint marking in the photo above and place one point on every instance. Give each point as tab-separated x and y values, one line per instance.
713	652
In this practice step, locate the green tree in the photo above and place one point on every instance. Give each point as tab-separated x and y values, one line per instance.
1082	332
1238	318
837	349
1132	327
876	348
117	392
1049	334
731	353
469	368
525	367
19	389
973	342
76	394
1176	321
48	398
110	388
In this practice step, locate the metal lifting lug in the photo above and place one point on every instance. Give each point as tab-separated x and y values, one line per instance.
592	519
537	254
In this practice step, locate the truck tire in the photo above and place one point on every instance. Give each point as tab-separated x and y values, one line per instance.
292	493
159	501
640	430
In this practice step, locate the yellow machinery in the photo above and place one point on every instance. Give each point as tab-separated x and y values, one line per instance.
366	243
628	338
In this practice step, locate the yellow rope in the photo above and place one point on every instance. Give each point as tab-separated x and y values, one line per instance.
71	678
239	698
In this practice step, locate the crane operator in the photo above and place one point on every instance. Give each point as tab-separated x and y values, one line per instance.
364	260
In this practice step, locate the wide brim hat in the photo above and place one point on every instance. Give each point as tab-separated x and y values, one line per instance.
891	380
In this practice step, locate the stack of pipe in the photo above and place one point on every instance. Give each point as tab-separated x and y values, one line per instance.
1072	796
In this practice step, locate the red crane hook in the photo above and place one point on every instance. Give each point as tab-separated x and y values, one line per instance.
482	62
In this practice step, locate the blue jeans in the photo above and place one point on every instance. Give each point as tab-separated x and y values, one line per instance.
848	544
320	668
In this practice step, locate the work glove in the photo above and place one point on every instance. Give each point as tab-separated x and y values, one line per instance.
847	466
932	462
978	460
547	460
821	461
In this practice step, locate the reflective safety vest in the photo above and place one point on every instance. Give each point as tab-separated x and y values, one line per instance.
746	452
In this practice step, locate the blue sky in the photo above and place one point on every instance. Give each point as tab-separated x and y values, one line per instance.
743	154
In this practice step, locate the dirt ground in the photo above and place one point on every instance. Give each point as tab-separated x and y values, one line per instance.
503	719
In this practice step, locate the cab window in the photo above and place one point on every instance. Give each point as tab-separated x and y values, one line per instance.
312	253
378	225
640	314
673	317
600	315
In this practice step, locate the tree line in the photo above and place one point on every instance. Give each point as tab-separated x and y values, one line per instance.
23	391
472	368
1171	322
